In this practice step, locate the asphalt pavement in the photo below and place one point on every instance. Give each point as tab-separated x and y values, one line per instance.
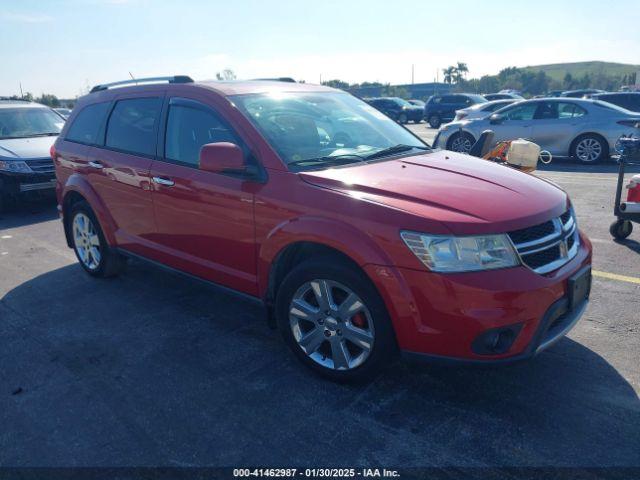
152	368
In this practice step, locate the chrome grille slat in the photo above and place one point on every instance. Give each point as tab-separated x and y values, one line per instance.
41	165
551	250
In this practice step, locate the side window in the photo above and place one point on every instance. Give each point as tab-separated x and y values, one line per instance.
548	110
132	125
86	125
448	99
436	100
570	110
188	129
522	112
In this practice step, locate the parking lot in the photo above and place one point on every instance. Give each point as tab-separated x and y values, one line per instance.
152	368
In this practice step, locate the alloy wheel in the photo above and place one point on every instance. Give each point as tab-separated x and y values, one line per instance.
331	324
461	143
86	241
588	149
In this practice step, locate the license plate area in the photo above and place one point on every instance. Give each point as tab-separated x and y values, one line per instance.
579	287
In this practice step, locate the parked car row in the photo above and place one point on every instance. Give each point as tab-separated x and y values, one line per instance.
581	128
398	109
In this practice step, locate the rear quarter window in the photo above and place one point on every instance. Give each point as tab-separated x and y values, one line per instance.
86	125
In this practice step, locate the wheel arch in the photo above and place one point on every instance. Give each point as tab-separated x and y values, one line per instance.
78	189
459	132
300	239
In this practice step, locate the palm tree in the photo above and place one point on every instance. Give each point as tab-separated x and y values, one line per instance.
449	74
461	71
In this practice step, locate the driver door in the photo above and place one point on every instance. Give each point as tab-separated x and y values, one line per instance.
516	122
205	220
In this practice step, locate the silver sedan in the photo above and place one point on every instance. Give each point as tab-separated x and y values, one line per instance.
580	128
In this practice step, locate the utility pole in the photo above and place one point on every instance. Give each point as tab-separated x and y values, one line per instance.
412	73
320	79
21	94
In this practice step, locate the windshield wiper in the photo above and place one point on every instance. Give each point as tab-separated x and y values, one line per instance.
400	148
330	160
47	134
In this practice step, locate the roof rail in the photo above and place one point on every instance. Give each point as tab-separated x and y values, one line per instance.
135	81
278	79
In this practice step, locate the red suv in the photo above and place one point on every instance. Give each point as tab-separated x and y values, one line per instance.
358	238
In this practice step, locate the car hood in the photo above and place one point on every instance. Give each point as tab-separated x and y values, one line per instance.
465	194
22	148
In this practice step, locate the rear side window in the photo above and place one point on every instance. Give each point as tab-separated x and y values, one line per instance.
87	123
133	125
188	129
570	110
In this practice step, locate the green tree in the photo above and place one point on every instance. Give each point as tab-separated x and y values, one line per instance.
226	74
449	74
49	100
337	84
461	71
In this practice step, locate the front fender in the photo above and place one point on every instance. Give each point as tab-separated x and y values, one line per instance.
78	184
341	236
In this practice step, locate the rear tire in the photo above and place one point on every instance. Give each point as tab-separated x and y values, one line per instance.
621	229
93	252
590	148
435	121
340	343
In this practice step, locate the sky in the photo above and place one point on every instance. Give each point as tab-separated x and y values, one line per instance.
65	46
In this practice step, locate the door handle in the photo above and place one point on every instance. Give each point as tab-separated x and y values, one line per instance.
167	182
96	164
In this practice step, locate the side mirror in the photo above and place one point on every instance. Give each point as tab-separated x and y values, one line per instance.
495	119
222	157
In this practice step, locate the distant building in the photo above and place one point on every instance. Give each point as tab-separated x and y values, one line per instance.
416	90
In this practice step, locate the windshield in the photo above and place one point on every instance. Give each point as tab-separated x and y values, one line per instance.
402	102
478	98
29	122
314	130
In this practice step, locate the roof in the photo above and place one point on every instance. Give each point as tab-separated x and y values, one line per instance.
242	87
20	104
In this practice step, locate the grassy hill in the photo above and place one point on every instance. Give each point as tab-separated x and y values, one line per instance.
557	71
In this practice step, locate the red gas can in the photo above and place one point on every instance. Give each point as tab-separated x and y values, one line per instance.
633	193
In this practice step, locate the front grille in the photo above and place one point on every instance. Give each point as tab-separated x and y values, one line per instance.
532	233
549	245
41	165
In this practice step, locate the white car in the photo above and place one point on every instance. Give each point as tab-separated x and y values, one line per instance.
482	110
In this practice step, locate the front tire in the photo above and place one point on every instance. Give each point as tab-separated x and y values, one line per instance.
461	142
93	252
590	149
435	121
402	119
333	319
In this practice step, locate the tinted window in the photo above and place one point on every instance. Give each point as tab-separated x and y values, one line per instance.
86	125
521	112
132	125
547	110
188	129
570	110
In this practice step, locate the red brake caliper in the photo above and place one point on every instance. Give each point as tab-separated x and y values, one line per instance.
359	320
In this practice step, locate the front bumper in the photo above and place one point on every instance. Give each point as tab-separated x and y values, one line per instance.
440	316
17	183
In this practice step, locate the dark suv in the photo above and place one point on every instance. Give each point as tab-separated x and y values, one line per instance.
442	108
398	109
627	100
27	131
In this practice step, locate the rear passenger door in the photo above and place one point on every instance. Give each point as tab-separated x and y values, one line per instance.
205	222
119	169
556	124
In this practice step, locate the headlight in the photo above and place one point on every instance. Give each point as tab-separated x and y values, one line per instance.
14	166
442	253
